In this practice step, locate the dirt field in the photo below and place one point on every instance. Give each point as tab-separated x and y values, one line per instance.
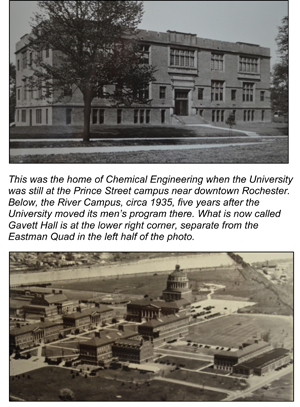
232	330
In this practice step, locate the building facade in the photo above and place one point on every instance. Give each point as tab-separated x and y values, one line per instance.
197	80
226	360
177	286
164	329
98	350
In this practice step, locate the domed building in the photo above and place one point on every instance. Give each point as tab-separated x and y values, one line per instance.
177	286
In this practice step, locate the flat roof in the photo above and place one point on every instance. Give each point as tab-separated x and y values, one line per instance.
265	359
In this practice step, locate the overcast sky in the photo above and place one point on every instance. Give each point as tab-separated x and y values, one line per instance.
246	21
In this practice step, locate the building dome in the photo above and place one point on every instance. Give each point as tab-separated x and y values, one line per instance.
177	286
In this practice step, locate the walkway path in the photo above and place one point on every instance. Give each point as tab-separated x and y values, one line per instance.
120	149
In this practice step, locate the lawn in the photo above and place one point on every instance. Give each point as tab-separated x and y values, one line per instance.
258	152
221	382
233	330
279	390
45	384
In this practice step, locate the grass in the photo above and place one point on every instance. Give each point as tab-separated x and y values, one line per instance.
279	390
262	151
233	330
45	384
221	382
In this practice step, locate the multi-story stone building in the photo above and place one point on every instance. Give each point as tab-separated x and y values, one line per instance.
88	318
98	350
30	335
164	329
177	286
146	309
133	350
197	80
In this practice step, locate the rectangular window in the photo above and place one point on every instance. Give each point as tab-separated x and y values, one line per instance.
19	94
30	59
47	52
233	114
182	58
18	115
119	116
233	94
222	115
38	116
147	116
67	91
218	116
135	116
40	93
201	112
94	116
163	116
162	92
200	93
217	62
47	118
217	88
262	96
24	60
142	112
145	54
101	116
213	116
248	64
68	116
24	89
262	115
23	116
248	92
245	115
252	115
18	64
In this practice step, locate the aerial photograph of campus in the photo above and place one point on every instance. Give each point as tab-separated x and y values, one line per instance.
146	326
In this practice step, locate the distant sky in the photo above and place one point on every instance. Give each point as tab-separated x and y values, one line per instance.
246	21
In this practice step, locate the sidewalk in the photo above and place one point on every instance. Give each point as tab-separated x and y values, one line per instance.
121	149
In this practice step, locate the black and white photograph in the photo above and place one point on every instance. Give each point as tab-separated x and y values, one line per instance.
149	82
151	326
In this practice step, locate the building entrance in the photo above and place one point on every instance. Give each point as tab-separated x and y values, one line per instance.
181	102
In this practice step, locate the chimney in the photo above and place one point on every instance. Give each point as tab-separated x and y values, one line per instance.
18	325
53	291
42	319
97	334
78	309
60	292
121	327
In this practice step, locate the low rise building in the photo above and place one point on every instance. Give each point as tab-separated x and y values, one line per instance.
164	329
264	363
225	360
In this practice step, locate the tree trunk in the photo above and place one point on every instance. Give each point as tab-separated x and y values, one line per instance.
87	116
87	119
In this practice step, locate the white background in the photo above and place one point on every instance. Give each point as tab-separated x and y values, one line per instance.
283	236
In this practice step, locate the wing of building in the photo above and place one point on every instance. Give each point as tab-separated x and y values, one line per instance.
198	80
